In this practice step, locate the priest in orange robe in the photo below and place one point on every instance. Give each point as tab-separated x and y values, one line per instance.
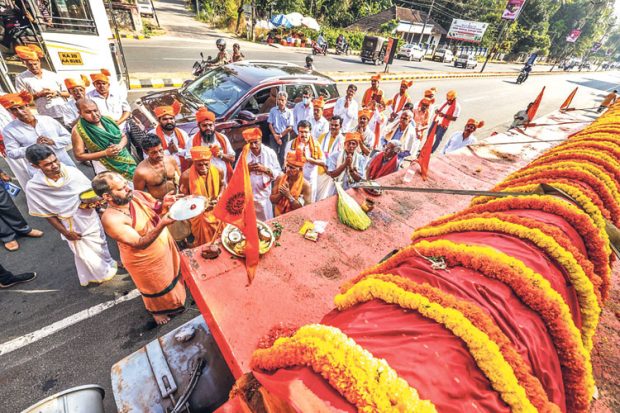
203	179
374	89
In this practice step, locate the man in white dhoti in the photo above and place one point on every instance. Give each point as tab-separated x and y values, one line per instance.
404	132
27	129
320	125
346	167
77	90
264	169
19	167
332	142
315	159
54	193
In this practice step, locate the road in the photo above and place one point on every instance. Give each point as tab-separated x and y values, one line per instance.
83	352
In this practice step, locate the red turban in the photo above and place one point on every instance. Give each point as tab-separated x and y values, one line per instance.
15	99
295	159
252	134
172	110
204	114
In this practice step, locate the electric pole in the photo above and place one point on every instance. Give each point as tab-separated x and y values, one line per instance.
428	16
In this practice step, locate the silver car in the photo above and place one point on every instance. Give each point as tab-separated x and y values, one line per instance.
411	52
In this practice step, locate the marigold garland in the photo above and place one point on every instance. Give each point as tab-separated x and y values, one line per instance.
484	350
597	136
607	147
365	381
482	321
533	290
590	310
602	160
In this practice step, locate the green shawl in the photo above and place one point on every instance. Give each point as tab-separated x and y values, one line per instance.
96	139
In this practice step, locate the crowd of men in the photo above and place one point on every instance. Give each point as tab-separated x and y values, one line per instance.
299	163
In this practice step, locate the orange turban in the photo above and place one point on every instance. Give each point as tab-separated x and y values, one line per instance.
252	134
200	153
83	81
477	124
425	101
29	52
204	114
15	99
171	110
364	112
407	83
295	159
103	76
451	94
376	77
319	102
352	136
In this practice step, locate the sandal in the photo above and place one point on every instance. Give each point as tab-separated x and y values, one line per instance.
11	245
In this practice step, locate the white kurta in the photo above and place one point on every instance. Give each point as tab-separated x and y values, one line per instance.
319	127
348	115
48	198
113	106
302	112
172	138
311	172
326	186
218	162
261	183
18	136
457	142
53	107
70	112
19	167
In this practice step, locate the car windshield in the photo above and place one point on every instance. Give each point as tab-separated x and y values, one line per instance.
218	90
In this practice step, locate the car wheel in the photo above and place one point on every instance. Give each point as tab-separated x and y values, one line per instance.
363	60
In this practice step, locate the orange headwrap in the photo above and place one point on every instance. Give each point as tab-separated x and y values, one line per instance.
451	94
171	110
429	93
15	99
376	77
252	134
475	123
200	153
407	83
352	136
296	158
425	101
364	112
103	76
204	114
29	52
319	102
83	81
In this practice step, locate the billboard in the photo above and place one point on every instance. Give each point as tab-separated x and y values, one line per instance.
513	8
467	30
573	36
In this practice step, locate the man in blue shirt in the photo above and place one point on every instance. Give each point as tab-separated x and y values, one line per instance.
281	123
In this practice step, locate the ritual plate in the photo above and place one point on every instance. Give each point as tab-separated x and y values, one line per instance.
372	191
234	241
90	200
188	207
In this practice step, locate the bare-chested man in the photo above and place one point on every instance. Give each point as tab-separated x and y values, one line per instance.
158	174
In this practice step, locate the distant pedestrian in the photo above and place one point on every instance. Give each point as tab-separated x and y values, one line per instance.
280	123
237	56
609	100
309	63
447	113
463	138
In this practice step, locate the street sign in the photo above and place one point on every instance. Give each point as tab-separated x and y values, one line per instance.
513	8
532	59
467	30
390	51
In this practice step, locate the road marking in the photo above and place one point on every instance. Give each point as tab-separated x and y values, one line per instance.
32	291
46	331
477	98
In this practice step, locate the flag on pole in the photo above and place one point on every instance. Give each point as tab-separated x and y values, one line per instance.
425	154
236	207
531	112
569	99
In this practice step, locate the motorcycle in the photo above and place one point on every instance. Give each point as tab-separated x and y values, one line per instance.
200	67
523	75
342	48
316	49
16	28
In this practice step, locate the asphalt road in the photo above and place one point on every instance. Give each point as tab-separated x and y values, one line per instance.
84	352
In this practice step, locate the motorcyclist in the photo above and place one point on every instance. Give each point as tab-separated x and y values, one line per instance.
237	56
222	56
309	63
322	42
526	70
341	43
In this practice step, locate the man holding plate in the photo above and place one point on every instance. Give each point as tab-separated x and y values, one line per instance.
204	179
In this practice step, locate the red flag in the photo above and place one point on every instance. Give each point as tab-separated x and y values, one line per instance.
569	99
236	207
425	154
531	112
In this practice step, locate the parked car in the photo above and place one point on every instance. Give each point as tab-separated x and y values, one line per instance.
239	96
466	61
443	55
411	52
373	49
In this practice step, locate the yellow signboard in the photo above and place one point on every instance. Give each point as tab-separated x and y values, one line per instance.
70	58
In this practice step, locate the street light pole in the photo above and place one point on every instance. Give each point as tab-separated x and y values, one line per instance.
428	16
497	40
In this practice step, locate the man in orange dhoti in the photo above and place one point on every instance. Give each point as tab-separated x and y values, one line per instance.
139	224
369	94
203	179
291	191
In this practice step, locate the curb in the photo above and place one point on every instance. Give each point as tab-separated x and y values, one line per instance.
154	83
132	36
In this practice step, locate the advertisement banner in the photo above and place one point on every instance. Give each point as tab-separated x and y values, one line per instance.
467	30
513	8
573	36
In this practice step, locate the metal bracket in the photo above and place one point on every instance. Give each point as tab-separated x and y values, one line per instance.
161	371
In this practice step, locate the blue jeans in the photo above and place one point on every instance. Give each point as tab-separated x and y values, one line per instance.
438	136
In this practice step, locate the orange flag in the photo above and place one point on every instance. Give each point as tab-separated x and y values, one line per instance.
569	99
425	154
531	112
236	207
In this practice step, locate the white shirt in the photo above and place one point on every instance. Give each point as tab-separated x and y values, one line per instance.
368	136
171	137
444	110
348	115
311	171
5	117
49	80
261	183
113	106
336	146
457	142
302	112
319	127
70	113
216	161
18	136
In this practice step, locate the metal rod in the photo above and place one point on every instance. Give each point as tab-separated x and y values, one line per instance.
428	16
481	144
469	192
497	40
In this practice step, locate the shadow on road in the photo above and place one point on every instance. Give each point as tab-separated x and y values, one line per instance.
595	84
